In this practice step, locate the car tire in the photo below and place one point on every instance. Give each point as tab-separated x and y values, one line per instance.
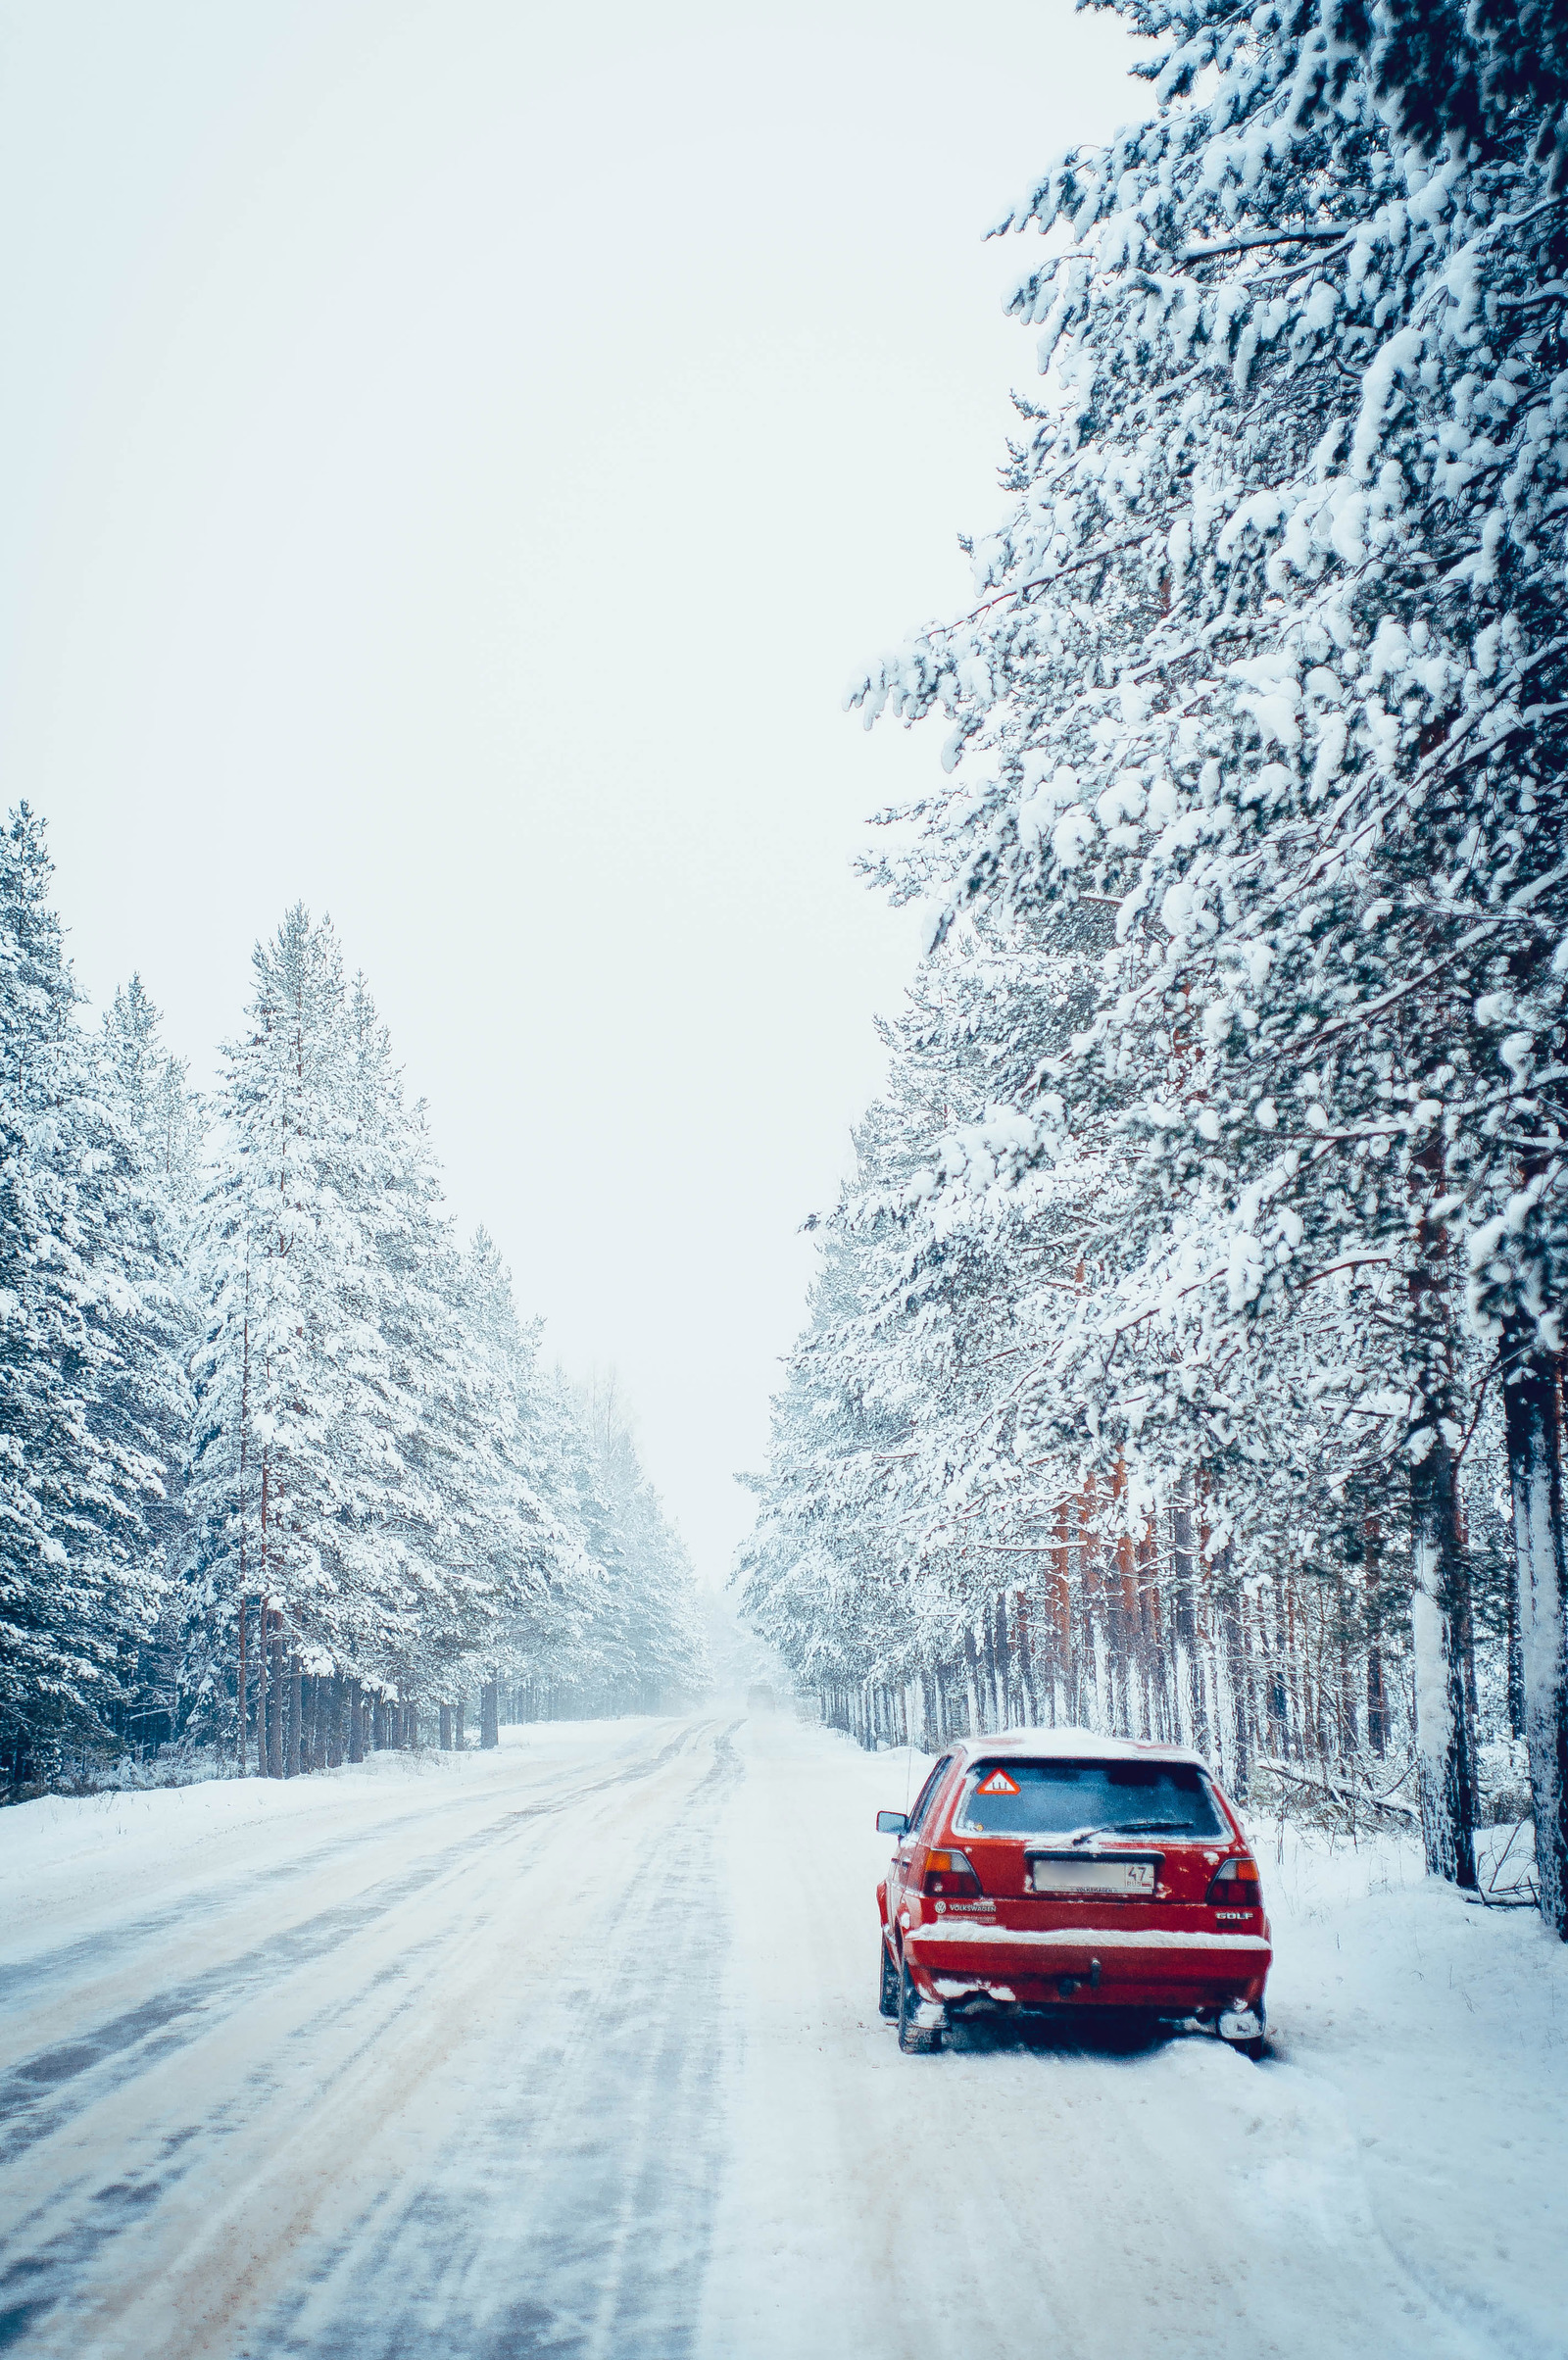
887	1998
915	2040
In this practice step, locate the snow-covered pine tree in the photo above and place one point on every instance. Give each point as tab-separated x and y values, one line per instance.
427	1437
1266	659
271	1494
160	1127
580	1635
620	1626
658	1652
537	1572
83	1286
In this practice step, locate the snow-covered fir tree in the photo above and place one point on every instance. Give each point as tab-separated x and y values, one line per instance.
89	1371
651	1649
160	1127
545	1583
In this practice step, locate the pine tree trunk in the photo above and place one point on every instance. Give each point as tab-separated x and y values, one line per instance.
239	1696
355	1709
1377	1702
1000	1662
462	1716
1187	1594
262	1765
1533	1411
1440	1598
1350	1734
1439	1621
1023	1642
1115	1650
274	1700
489	1726
293	1752
1156	1616
971	1679
1516	1665
1240	1766
446	1728
1091	1587
1062	1612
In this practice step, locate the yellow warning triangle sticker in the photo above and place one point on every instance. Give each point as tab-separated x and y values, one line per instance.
998	1782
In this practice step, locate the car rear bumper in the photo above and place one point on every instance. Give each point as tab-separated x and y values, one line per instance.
1175	1973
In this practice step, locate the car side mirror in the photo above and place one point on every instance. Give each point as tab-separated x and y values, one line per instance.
891	1823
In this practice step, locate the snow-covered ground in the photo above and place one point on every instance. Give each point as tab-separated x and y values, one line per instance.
574	2049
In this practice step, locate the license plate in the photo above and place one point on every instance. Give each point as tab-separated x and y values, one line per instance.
1135	1878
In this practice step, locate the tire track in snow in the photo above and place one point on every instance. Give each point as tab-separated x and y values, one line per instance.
572	2213
231	1890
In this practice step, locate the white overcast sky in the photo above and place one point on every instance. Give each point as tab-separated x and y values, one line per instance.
453	455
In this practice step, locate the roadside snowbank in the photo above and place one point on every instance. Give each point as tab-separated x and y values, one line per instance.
1443	2029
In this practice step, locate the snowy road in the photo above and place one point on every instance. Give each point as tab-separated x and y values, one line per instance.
573	2049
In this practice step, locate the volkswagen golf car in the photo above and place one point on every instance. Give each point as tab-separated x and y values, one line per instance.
1051	1870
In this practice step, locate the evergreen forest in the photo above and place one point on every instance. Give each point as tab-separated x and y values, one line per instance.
285	1477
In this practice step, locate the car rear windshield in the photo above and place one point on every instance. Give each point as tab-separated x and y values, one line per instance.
1066	1797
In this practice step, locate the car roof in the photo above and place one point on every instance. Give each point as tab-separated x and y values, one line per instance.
1074	1744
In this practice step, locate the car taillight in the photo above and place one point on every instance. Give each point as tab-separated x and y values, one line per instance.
1235	1886
951	1873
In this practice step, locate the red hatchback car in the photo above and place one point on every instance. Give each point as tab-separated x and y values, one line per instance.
1051	1870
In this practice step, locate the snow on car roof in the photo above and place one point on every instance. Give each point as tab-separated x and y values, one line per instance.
1076	1744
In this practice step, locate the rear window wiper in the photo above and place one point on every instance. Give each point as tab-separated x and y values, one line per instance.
1139	1826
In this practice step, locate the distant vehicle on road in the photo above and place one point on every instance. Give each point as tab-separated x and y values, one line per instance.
1046	1871
760	1697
